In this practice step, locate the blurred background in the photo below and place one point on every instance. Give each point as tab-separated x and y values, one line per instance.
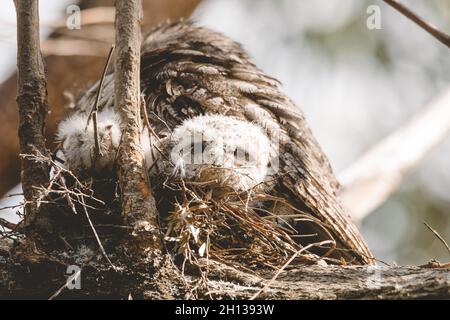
355	86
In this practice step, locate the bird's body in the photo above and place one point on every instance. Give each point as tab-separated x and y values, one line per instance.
192	78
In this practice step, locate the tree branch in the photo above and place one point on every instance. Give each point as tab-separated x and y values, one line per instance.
138	205
332	282
378	173
32	103
33	276
435	32
441	239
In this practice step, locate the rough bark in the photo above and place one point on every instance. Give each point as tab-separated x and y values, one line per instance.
138	204
32	103
40	276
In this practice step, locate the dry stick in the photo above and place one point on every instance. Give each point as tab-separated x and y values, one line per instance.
20	194
12	207
32	103
93	113
438	236
69	280
147	121
7	224
150	133
431	29
256	295
138	205
378	173
102	249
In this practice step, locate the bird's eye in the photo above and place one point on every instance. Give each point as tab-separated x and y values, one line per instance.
198	147
241	155
80	139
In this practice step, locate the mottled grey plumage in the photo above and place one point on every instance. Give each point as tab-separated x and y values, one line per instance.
188	71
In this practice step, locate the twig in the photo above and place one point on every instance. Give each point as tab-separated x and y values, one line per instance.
431	29
102	249
438	236
266	287
150	133
12	207
20	194
100	85
93	113
147	121
70	279
7	224
162	120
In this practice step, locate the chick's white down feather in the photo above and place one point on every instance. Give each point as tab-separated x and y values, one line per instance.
78	141
233	152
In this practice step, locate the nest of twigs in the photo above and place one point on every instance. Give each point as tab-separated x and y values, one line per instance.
233	229
241	230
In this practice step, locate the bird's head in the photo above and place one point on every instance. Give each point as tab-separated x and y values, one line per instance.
221	151
78	142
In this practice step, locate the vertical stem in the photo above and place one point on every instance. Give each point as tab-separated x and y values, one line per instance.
138	206
32	103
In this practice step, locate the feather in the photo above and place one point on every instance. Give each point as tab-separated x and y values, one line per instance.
195	79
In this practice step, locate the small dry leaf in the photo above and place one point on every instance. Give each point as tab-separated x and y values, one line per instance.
202	249
195	232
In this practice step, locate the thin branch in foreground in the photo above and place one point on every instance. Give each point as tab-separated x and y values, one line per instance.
93	113
138	203
438	236
97	238
73	277
32	103
431	29
6	224
12	207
